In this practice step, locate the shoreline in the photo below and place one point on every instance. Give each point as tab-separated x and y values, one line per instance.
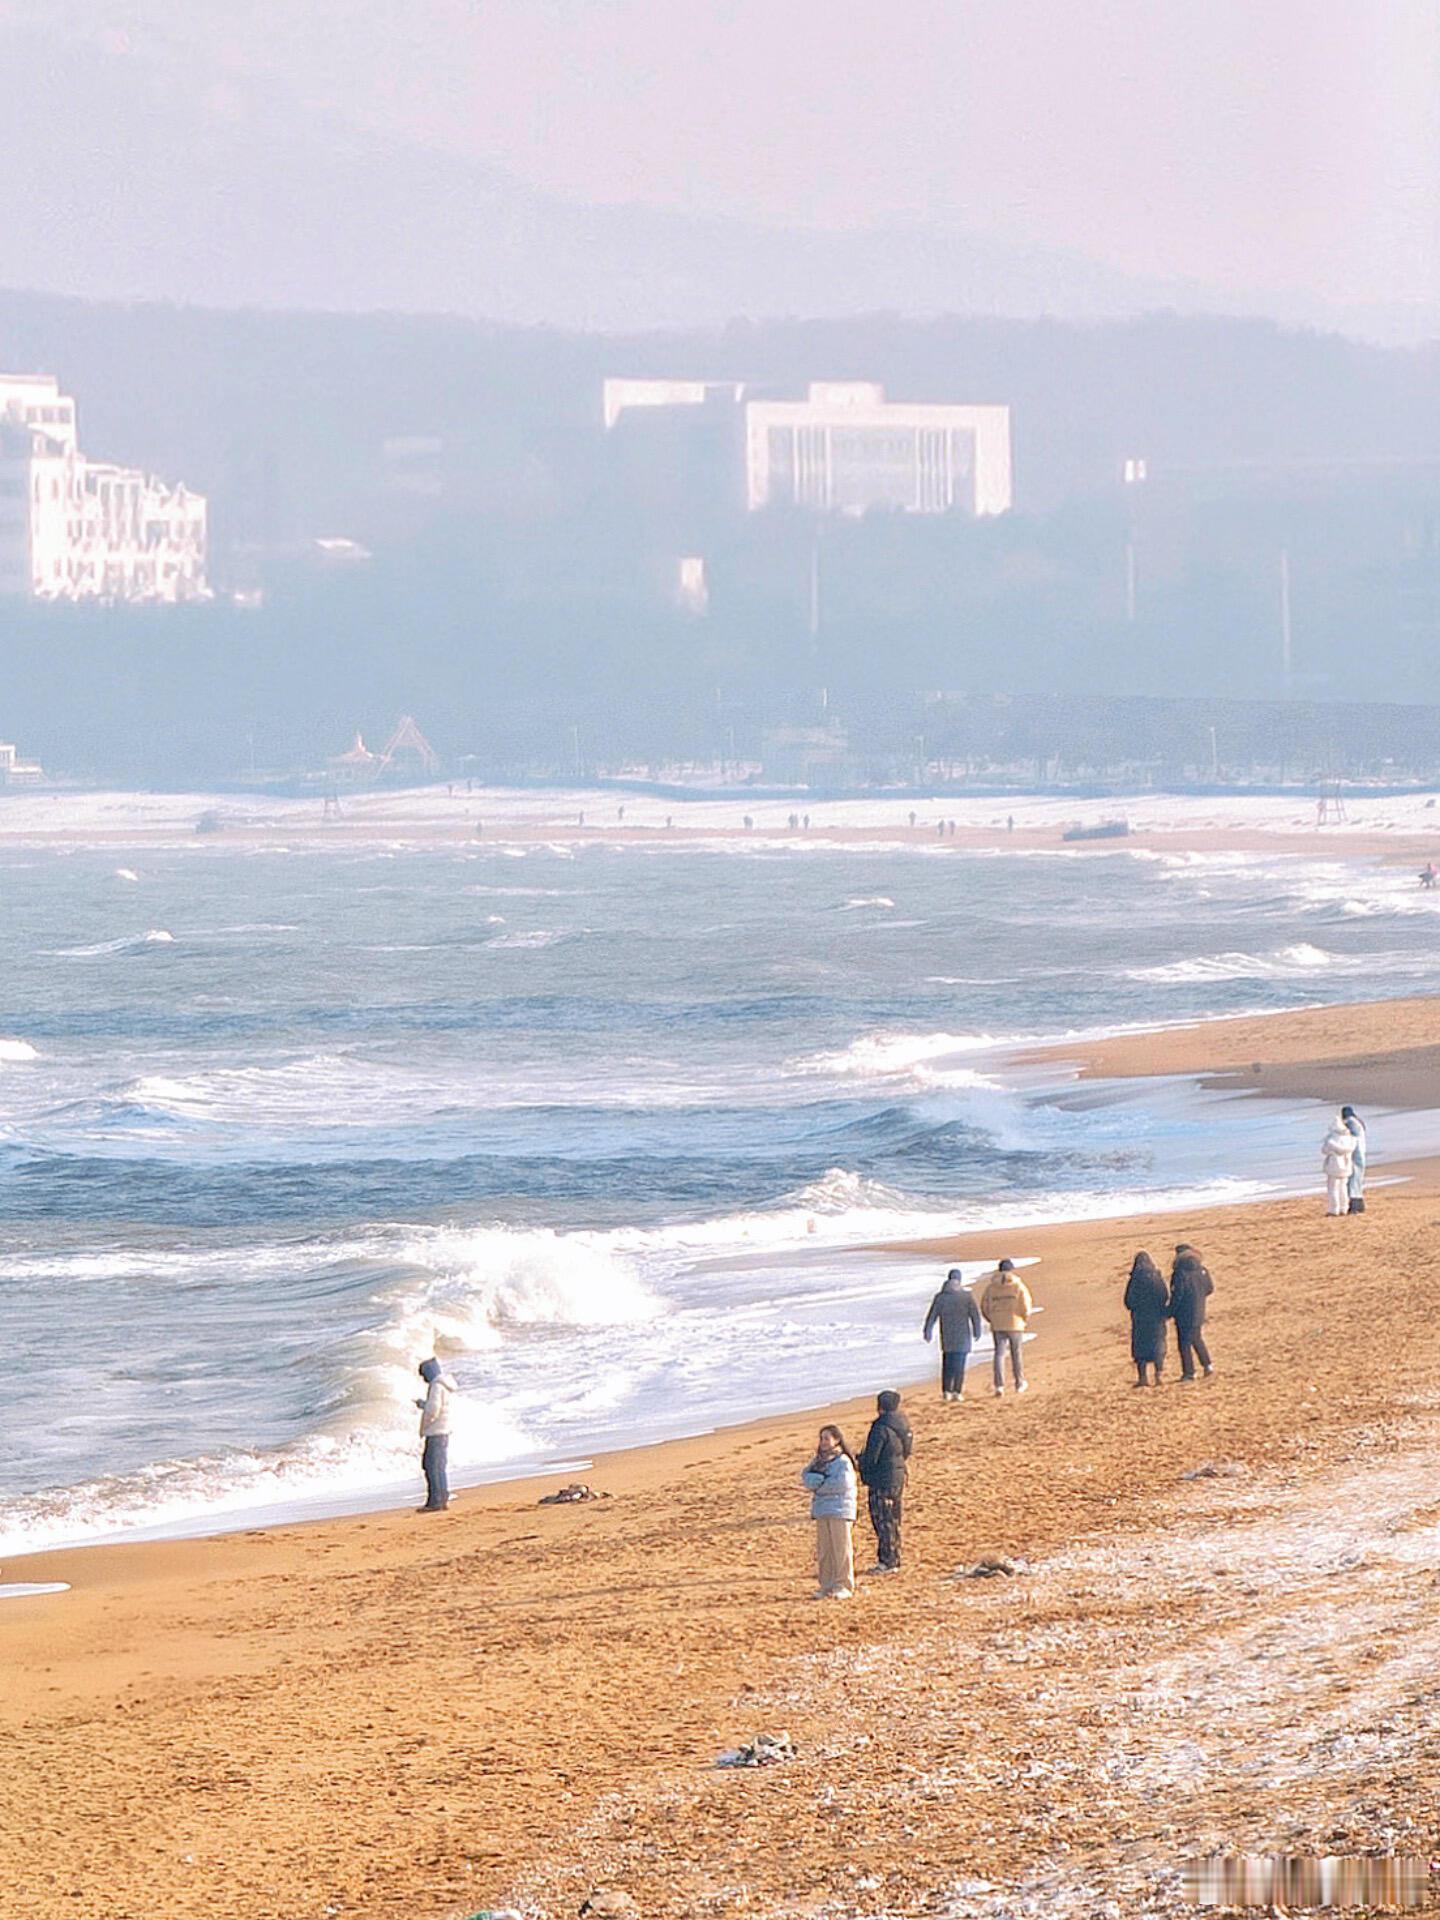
1406	1075
388	1717
1394	828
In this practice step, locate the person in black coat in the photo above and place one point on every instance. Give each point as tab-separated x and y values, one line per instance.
1190	1288
883	1470
1147	1302
960	1327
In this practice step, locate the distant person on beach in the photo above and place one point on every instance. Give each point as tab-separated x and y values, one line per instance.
1147	1301
1337	1157
1190	1288
1355	1185
958	1317
834	1480
1007	1305
1429	874
435	1435
883	1470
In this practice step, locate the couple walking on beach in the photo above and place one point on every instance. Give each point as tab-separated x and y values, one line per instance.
1342	1154
834	1478
1151	1304
1004	1305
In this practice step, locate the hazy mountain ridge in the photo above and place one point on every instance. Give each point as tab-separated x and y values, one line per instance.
236	198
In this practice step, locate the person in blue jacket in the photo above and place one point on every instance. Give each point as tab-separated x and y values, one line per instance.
1355	1185
834	1483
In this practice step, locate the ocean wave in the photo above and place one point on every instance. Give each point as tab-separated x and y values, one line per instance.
537	937
880	1056
1302	958
322	1472
470	1287
869	900
126	943
12	1052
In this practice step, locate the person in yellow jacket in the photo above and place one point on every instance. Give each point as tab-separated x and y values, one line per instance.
1006	1305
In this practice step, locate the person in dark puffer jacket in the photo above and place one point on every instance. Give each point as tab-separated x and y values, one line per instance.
1190	1288
960	1325
883	1468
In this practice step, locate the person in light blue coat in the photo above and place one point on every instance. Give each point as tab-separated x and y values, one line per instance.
1355	1185
833	1481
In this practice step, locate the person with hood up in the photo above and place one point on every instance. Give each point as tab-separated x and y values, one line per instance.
1147	1302
833	1480
1006	1305
883	1470
435	1435
1337	1156
1355	1185
1190	1287
960	1325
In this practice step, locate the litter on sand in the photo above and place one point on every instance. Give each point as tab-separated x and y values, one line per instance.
765	1750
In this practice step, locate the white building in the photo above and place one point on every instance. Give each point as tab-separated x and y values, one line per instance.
623	396
846	449
78	529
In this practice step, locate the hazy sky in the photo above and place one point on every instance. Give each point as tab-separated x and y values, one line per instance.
1246	143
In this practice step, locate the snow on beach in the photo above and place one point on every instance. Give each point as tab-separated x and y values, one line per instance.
402	813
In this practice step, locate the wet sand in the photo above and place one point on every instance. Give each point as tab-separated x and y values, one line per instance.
1376	1054
400	1716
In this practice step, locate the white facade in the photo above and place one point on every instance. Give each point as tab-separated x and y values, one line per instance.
623	395
846	449
79	529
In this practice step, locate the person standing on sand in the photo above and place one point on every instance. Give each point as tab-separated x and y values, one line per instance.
1190	1288
1337	1157
435	1435
1006	1305
883	1469
960	1327
833	1480
1355	1185
1147	1302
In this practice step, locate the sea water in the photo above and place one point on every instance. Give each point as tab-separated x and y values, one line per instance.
615	1128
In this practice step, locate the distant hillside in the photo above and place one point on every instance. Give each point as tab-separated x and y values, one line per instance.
121	181
282	418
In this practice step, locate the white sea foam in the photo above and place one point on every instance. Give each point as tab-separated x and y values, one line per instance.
884	1055
125	943
872	900
536	937
13	1052
1299	958
127	873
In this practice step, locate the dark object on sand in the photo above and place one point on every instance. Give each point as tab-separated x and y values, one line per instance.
210	822
1106	830
609	1903
990	1566
765	1750
571	1495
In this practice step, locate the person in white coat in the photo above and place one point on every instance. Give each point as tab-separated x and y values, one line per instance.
435	1435
1337	1155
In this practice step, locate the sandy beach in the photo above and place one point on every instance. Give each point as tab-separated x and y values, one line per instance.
1228	1637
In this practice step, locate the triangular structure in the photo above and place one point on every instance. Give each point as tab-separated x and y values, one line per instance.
408	739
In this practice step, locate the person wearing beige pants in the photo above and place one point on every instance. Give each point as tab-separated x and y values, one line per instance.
833	1483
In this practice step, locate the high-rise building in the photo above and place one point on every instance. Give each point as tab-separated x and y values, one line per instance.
72	528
